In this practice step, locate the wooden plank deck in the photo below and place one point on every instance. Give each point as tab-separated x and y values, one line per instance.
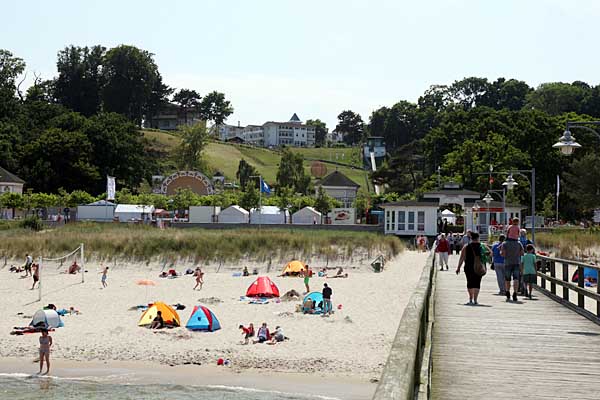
534	349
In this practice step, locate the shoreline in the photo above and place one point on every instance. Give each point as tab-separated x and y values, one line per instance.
325	385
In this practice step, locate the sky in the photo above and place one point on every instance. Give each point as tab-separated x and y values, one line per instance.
317	58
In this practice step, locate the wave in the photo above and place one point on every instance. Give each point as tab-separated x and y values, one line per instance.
253	390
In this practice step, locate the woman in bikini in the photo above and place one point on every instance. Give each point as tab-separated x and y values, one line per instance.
45	343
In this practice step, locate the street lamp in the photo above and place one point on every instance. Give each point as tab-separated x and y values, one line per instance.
567	144
510	183
487	199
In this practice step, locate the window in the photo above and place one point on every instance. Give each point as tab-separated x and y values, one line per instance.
401	220
393	221
411	220
387	220
421	221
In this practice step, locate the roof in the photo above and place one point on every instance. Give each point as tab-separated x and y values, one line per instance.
308	208
411	203
336	178
295	118
237	208
452	192
101	203
9	177
268	210
134	208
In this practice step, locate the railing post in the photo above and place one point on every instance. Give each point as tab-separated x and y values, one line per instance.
553	274
597	302
581	284
544	271
565	278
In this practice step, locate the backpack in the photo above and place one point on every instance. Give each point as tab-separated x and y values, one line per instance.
478	265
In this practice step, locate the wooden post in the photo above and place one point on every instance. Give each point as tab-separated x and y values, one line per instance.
553	274
598	302
565	278
580	283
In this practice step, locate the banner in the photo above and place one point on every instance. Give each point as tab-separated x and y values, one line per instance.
111	187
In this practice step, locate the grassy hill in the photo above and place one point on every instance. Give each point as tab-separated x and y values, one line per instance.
225	157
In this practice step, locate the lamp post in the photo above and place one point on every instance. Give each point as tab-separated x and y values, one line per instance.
567	143
487	200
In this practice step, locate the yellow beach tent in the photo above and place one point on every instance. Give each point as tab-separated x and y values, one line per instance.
293	268
169	314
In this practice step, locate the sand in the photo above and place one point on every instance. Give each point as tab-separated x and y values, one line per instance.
353	343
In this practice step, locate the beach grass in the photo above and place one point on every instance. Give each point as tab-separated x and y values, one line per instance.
144	243
571	243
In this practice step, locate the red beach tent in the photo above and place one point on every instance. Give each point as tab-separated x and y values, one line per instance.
262	287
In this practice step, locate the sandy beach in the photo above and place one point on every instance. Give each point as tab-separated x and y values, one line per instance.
352	345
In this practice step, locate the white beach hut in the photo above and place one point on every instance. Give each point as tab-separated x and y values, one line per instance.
306	216
133	212
234	215
269	215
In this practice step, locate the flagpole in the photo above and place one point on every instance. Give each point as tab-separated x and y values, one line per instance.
260	185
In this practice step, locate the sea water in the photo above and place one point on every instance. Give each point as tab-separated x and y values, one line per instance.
29	387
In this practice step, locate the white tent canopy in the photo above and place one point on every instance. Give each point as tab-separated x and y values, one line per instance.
46	319
268	215
306	216
449	216
234	215
127	212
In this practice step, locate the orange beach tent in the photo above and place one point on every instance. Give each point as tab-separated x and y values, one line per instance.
169	315
293	268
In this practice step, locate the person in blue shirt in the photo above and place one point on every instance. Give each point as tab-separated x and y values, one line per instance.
498	261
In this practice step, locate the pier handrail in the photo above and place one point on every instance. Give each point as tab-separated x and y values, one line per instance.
407	373
548	274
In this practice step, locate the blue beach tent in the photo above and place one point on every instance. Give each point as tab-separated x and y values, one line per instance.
317	298
202	319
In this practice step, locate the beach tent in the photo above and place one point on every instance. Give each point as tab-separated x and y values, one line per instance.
99	211
317	298
49	319
293	268
234	215
202	319
137	212
169	315
269	215
262	287
306	216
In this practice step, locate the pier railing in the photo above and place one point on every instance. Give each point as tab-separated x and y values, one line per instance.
407	373
556	272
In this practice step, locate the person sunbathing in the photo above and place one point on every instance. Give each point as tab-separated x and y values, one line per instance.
277	336
309	306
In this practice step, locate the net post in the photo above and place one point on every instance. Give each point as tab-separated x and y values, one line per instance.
82	262
39	271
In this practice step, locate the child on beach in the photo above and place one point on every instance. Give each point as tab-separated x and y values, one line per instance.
45	343
104	273
36	274
529	273
247	332
199	278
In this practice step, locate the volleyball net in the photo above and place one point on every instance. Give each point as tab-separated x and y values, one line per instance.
59	273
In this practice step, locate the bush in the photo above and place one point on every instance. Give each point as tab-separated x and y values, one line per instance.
34	223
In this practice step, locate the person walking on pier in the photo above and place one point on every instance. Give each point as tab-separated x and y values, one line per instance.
498	263
512	251
443	248
467	256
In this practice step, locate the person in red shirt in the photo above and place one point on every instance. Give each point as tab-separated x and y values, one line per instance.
443	248
247	332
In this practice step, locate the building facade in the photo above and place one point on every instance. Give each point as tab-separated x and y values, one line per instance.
276	134
10	183
171	116
340	187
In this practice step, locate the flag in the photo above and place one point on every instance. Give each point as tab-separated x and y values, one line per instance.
557	185
264	188
111	187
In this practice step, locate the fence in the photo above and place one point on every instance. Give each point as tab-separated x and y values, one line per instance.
407	373
551	267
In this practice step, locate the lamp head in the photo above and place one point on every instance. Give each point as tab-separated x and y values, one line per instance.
487	199
566	144
510	182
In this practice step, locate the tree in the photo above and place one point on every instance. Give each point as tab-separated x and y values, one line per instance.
471	92
323	203
131	77
249	199
583	182
284	199
291	172
245	174
215	108
193	141
548	209
59	158
352	126
80	81
557	97
320	131
10	68
187	100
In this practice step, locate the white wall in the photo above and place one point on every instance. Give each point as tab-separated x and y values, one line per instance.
395	223
203	214
232	216
306	216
